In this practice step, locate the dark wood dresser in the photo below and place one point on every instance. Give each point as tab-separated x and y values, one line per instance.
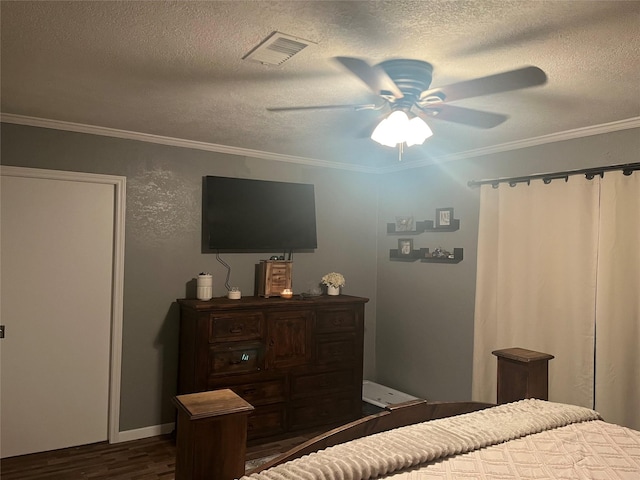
297	361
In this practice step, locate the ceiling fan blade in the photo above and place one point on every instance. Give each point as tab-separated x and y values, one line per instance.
500	82
368	106
466	116
373	76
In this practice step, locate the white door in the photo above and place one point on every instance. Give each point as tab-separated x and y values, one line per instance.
57	277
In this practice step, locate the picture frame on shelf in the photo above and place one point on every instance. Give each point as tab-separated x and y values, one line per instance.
405	247
405	224
444	217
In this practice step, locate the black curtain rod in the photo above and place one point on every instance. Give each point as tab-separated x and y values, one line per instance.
590	173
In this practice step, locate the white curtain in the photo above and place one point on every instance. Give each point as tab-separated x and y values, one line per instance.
618	301
536	282
553	275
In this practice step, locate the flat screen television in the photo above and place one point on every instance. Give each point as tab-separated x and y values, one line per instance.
257	215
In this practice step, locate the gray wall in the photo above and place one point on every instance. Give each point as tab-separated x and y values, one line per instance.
425	311
162	251
419	322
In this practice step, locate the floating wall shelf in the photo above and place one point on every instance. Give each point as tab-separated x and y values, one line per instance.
424	226
458	255
445	216
411	257
425	256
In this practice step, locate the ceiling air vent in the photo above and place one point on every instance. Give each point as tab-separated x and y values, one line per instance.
276	49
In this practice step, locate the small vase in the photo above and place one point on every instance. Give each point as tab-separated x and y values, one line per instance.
331	290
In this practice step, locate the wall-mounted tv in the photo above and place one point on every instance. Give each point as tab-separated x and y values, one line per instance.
257	215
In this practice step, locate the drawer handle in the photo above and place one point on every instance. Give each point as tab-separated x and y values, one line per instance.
249	391
337	322
236	329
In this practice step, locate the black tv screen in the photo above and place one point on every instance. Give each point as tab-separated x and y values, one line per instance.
257	215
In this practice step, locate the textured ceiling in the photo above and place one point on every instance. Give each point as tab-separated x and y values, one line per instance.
175	69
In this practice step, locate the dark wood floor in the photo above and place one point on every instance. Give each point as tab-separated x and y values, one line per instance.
146	459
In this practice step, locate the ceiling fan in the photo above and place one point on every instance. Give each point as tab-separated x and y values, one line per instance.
405	86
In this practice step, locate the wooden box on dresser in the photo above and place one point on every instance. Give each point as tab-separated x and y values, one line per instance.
297	361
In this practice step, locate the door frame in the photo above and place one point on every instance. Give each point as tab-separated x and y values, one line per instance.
117	288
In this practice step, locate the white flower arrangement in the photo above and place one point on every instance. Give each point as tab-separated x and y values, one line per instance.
333	279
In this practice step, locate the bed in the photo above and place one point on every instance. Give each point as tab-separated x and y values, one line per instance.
527	439
421	440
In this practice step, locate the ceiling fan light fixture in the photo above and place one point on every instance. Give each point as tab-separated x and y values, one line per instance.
417	132
397	128
389	130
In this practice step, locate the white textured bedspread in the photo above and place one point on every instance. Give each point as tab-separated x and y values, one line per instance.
587	450
405	447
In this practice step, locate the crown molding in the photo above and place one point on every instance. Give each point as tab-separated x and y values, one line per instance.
175	142
616	126
626	124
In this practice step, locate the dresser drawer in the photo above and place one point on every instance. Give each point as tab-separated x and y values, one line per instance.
266	421
279	271
335	321
236	327
262	393
236	358
319	383
336	349
325	410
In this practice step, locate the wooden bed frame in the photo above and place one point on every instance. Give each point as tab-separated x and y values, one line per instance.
394	416
212	426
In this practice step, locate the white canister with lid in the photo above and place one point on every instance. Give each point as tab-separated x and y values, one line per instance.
204	286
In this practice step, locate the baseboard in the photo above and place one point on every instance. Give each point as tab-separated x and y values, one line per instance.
146	432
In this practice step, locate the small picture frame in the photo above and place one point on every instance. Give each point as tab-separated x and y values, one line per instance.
405	247
404	224
444	217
